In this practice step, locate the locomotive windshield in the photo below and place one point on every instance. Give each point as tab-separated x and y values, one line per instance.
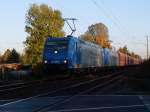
57	44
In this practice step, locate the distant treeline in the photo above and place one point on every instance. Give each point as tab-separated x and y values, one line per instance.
10	56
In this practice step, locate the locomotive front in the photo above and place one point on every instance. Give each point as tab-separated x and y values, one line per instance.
56	52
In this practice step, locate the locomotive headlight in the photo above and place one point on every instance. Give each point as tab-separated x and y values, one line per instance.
55	52
45	61
65	61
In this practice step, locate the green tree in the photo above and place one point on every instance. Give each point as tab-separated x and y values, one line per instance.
10	56
6	56
14	57
97	33
41	22
0	58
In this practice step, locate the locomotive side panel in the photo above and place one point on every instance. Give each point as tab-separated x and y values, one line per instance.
89	54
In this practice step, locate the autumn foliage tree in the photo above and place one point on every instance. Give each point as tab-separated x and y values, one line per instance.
41	22
124	50
97	33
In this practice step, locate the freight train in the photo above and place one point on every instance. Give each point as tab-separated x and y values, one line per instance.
74	53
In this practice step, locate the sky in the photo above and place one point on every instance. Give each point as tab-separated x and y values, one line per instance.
127	20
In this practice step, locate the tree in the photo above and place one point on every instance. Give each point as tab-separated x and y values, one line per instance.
0	58
14	57
6	56
124	50
10	56
97	33
41	22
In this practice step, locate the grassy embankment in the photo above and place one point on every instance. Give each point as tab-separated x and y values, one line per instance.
139	78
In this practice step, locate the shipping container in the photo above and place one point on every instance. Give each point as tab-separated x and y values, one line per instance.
122	59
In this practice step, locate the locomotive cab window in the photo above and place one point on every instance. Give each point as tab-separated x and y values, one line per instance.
57	45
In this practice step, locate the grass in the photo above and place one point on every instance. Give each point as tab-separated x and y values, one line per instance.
139	77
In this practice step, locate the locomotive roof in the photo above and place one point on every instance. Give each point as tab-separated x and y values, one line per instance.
58	38
71	37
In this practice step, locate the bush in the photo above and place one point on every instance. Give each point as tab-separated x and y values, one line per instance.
37	69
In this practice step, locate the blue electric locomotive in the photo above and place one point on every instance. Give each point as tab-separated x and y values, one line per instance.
74	53
71	53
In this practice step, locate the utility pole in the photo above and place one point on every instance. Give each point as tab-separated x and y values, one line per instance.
147	46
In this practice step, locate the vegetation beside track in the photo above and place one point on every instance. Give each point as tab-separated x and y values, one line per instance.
139	78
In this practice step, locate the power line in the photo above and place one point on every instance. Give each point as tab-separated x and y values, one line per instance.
108	16
115	18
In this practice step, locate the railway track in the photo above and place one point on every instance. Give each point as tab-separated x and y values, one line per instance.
70	92
82	88
7	82
16	85
19	89
27	89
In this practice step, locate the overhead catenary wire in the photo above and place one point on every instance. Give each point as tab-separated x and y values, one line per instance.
114	19
107	15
